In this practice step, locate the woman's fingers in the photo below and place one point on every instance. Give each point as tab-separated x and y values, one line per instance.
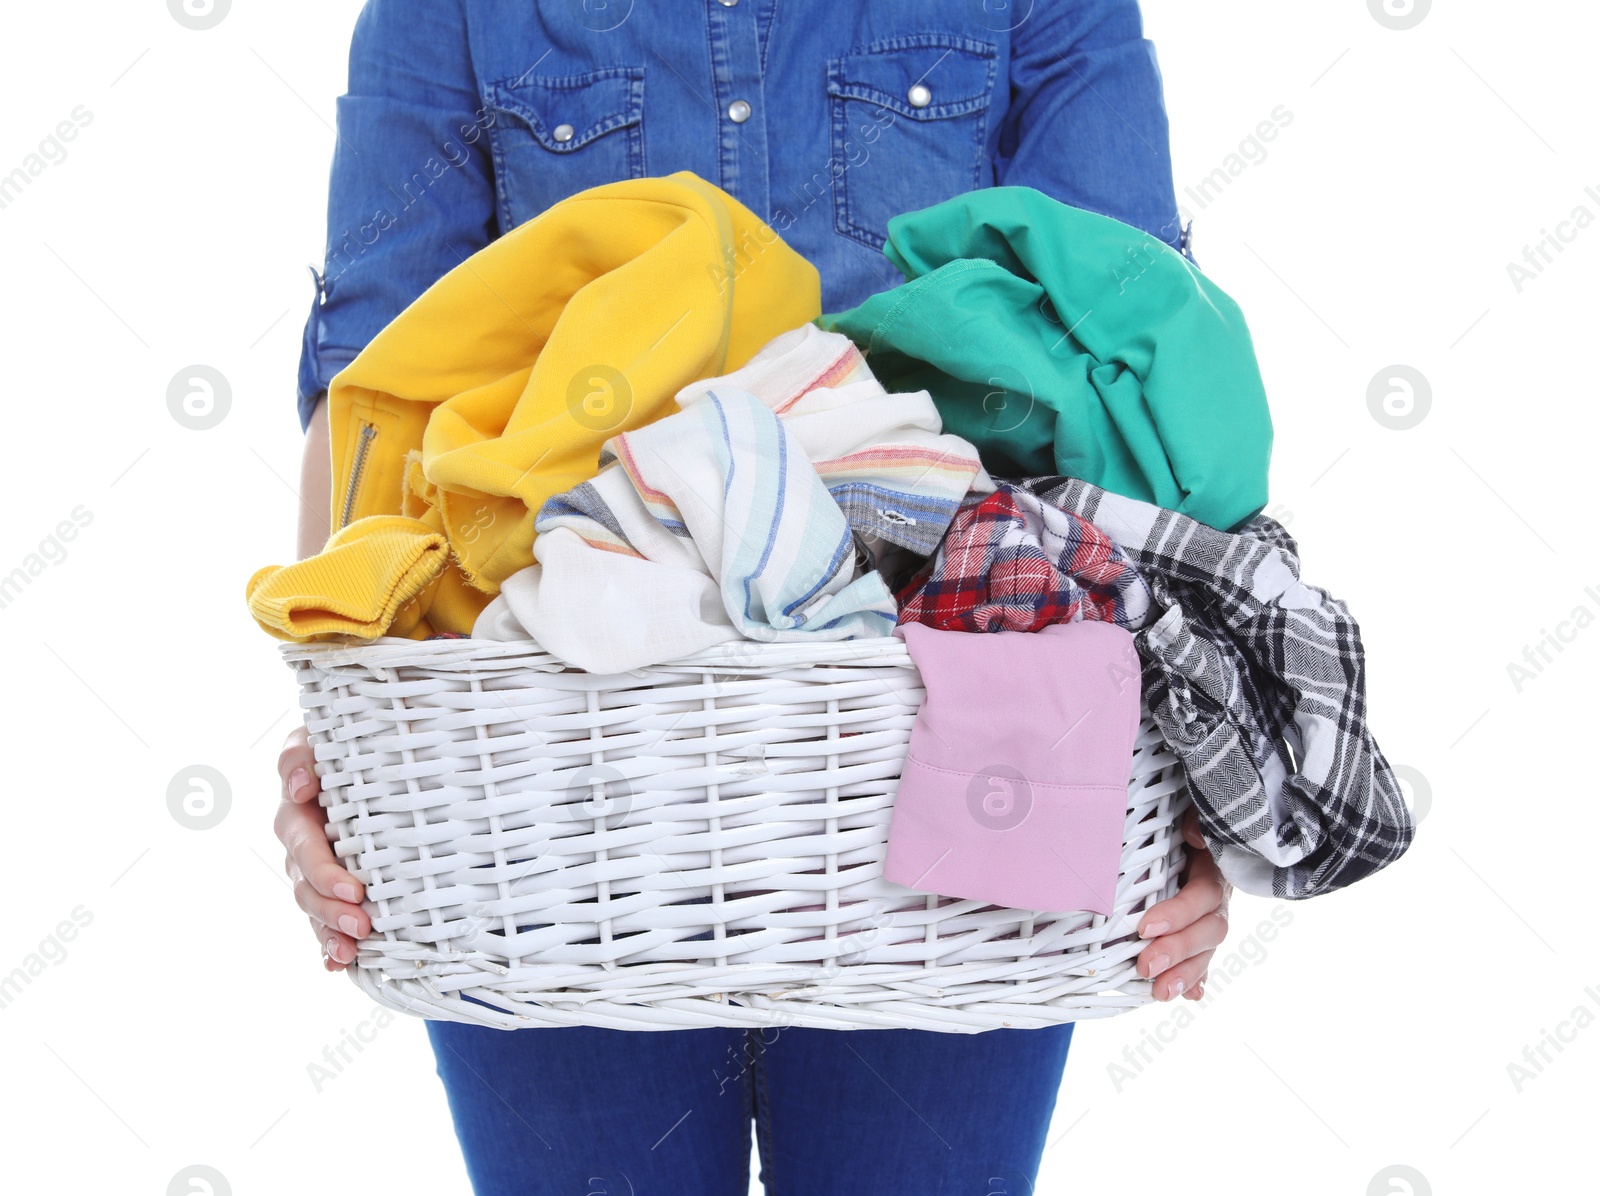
337	949
326	891
1164	956
335	915
303	832
1203	892
297	776
1186	929
1186	979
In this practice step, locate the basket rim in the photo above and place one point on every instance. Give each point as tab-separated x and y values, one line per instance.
464	655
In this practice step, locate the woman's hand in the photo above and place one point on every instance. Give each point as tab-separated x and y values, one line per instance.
1186	929
329	895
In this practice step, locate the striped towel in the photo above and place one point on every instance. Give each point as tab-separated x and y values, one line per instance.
759	510
898	478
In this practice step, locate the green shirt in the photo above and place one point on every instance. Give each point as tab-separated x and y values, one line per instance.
1059	341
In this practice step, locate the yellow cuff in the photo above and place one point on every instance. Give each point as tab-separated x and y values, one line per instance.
374	577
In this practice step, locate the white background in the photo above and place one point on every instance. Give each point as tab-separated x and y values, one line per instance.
1375	1030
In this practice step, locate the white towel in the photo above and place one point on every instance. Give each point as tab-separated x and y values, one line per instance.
742	515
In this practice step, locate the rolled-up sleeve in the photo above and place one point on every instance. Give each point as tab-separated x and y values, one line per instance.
1088	123
411	189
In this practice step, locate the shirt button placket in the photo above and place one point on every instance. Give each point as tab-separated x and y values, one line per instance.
742	157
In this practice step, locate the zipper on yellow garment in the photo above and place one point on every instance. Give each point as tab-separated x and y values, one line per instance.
368	431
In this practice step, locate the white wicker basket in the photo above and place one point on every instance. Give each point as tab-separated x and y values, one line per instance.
697	844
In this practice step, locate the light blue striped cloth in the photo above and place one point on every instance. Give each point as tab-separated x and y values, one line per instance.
780	543
755	511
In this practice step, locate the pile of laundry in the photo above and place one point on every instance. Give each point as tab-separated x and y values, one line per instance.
625	430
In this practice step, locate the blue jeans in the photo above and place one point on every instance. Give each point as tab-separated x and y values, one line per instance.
577	1111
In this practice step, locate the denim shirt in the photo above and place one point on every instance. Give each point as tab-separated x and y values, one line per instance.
464	118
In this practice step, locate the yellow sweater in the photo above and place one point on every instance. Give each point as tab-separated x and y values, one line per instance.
496	388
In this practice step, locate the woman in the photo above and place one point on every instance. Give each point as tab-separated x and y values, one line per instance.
464	118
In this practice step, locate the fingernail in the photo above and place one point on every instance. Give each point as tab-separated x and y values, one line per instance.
346	891
1155	930
298	780
1199	988
349	925
331	949
1177	989
1160	964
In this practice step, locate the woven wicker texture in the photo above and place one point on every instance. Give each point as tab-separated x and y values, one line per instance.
697	844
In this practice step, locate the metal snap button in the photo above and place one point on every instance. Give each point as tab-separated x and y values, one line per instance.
564	132
919	96
738	112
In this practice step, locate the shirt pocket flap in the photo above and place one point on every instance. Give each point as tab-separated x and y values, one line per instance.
565	113
957	72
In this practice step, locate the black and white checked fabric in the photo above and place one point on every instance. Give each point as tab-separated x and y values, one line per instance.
1258	683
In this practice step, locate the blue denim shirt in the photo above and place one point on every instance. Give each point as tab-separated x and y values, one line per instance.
464	118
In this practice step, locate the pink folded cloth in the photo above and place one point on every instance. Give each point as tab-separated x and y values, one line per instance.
1015	786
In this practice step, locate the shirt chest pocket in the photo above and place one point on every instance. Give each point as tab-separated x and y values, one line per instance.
554	136
910	120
